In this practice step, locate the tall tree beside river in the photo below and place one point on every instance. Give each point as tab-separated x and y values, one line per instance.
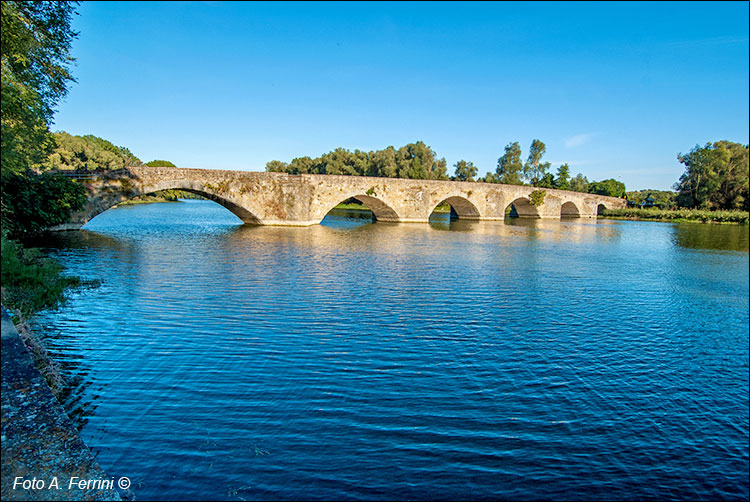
716	177
36	41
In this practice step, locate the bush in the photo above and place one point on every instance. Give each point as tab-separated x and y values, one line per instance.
537	197
32	282
33	202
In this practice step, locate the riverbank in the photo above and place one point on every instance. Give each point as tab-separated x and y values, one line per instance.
43	457
678	215
145	199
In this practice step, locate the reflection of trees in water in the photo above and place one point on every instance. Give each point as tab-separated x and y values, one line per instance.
711	236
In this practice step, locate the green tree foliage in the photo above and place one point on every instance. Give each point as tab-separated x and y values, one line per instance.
90	153
509	167
534	169
562	182
716	177
579	183
276	166
465	171
662	198
536	198
415	160
383	163
610	187
34	202
160	163
546	181
35	49
418	161
30	281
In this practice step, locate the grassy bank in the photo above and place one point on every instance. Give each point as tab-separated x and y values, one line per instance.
677	215
31	283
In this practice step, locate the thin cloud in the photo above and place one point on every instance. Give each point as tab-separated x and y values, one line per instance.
578	140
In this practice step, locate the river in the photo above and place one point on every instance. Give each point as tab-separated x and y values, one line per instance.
453	360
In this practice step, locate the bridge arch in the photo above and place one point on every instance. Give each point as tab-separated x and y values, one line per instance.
109	200
569	210
600	207
523	209
461	207
380	210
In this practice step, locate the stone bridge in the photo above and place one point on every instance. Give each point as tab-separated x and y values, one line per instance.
263	198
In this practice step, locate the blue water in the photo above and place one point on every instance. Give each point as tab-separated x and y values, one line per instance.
487	360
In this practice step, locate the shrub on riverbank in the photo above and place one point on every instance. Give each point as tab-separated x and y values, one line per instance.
30	281
679	214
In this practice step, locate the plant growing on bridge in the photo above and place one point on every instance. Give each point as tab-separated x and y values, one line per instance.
370	191
536	198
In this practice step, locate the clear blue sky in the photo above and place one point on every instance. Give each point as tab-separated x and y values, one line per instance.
616	90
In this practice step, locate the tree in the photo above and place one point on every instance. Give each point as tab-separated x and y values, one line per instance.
383	163
36	202
417	161
562	182
610	187
534	169
579	183
716	177
160	163
465	171
302	165
414	160
35	50
276	166
546	181
509	167
90	153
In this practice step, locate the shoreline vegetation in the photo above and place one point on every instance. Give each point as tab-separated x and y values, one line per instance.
32	282
678	215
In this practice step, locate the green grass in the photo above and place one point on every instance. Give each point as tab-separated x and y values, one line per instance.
31	281
678	215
